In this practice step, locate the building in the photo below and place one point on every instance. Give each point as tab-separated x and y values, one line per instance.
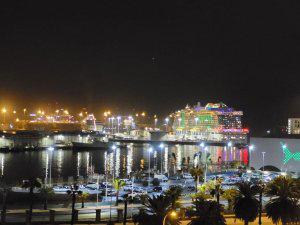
282	153
215	121
293	126
91	124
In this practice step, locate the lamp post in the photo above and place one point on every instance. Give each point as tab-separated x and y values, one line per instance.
155	123
112	124
118	120
149	164
50	149
172	214
114	147
263	159
167	122
161	157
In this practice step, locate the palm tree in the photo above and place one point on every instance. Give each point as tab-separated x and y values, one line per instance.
284	206
83	197
73	192
197	173
118	185
245	204
174	194
229	195
45	193
154	211
4	189
31	184
206	212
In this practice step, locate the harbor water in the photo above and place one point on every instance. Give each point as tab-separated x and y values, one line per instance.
66	165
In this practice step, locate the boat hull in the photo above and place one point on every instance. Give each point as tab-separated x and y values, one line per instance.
94	145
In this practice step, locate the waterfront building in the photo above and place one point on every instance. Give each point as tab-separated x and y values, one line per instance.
215	122
293	126
276	153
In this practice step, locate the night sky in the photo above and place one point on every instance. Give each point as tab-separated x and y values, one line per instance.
153	55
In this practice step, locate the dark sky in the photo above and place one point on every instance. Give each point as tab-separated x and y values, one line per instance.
244	53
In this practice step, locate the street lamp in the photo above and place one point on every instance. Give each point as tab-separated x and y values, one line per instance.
50	149
161	157
149	151
119	118
167	122
263	159
114	147
155	122
172	214
112	124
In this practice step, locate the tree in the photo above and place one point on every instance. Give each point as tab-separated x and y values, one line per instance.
174	194
206	212
45	193
284	206
245	204
154	211
155	182
197	173
229	195
32	183
83	197
118	185
73	192
4	189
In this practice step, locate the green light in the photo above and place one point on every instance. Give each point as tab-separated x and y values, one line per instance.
288	155
205	119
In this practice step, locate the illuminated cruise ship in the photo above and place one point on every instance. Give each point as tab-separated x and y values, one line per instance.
214	122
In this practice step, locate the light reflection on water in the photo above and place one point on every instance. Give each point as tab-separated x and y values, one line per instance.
119	163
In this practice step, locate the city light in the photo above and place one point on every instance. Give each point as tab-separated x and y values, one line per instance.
229	144
4	110
251	147
202	144
50	148
161	145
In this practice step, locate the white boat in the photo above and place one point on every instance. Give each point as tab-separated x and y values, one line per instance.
187	176
24	190
161	177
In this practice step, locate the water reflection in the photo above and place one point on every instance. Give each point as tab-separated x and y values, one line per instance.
118	163
2	164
